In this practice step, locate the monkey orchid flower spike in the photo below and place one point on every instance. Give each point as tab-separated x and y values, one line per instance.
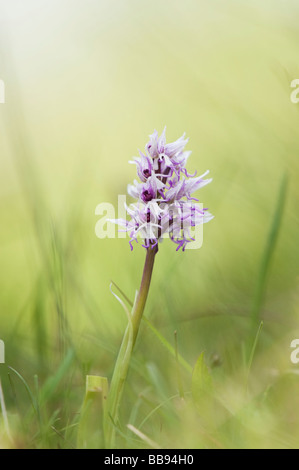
164	206
164	203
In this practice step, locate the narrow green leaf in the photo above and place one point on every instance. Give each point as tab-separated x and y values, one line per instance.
253	352
52	383
4	412
168	346
30	394
161	338
123	294
202	384
179	377
267	256
90	428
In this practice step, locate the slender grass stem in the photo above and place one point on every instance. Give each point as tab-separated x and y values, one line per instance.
124	356
267	257
4	412
252	353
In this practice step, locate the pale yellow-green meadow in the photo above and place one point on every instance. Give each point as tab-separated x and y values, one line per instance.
86	82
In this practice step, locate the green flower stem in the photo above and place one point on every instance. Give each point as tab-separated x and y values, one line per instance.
124	356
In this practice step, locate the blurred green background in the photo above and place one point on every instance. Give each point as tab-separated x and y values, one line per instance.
86	83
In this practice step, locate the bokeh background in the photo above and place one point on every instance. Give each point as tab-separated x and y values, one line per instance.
86	83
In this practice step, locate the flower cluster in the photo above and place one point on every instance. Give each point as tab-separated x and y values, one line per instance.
164	203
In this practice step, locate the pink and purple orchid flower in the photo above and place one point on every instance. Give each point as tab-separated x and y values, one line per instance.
164	202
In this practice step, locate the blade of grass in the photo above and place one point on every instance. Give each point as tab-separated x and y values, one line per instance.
90	428
253	352
179	376
59	434
143	437
168	346
39	325
157	408
4	413
202	384
52	383
123	294
30	394
267	256
161	338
